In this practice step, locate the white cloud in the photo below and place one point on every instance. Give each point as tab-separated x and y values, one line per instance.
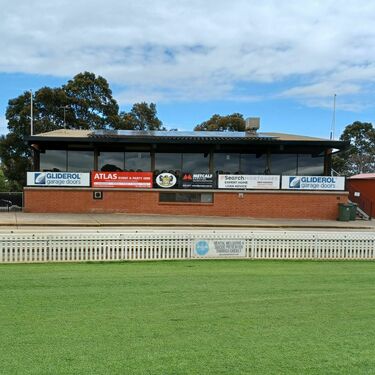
199	50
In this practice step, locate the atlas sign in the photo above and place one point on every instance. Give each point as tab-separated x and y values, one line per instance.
136	180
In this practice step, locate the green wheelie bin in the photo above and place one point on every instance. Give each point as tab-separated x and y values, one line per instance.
344	212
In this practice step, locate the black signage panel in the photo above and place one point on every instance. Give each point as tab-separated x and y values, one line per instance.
197	181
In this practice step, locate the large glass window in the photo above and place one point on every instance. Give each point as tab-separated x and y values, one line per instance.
168	161
253	163
310	165
284	164
111	161
196	163
80	161
53	160
226	163
138	161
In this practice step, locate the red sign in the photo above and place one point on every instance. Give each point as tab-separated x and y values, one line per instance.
122	180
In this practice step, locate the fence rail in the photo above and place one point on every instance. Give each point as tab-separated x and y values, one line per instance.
83	247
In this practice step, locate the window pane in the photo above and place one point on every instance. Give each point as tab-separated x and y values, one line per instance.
186	197
168	162
227	163
253	163
309	165
80	161
53	160
111	161
195	163
138	161
285	164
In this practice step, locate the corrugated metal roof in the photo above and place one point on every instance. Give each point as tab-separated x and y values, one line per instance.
176	135
363	176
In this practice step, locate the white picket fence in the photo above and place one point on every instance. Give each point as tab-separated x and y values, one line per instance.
83	247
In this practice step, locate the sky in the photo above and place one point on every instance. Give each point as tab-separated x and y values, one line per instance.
282	61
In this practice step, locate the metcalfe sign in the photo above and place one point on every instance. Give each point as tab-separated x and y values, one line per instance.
68	179
135	180
313	183
197	181
209	248
233	181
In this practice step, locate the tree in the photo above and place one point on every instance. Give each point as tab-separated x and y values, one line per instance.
360	157
84	102
233	122
4	184
88	104
142	116
16	160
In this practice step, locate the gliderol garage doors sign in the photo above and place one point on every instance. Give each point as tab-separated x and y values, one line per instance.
205	248
313	183
68	179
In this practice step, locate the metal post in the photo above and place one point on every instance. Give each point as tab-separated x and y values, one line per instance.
332	137
64	107
31	113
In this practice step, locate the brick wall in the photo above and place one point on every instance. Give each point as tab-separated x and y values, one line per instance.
367	189
257	204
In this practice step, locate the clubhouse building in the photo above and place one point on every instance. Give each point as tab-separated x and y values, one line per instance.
244	174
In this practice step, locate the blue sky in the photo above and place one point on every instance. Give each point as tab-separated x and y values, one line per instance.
281	61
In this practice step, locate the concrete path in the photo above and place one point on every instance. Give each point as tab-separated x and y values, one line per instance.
19	220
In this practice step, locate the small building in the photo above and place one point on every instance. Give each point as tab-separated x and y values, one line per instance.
361	189
244	174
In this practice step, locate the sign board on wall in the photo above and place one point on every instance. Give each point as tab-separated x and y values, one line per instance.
166	180
122	180
197	181
67	179
205	248
226	181
313	183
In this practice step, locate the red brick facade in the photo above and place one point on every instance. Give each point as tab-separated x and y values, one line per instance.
256	204
366	187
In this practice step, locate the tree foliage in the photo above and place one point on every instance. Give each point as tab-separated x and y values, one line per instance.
4	183
233	122
142	116
88	104
360	157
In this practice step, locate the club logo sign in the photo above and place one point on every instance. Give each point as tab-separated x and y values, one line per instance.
166	180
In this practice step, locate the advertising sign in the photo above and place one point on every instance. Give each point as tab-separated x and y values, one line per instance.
235	181
166	180
197	181
68	179
232	248
313	183
122	180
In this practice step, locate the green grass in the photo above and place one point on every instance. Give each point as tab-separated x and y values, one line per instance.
188	317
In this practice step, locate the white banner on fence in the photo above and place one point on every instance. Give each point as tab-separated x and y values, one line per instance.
58	179
229	248
313	183
243	181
